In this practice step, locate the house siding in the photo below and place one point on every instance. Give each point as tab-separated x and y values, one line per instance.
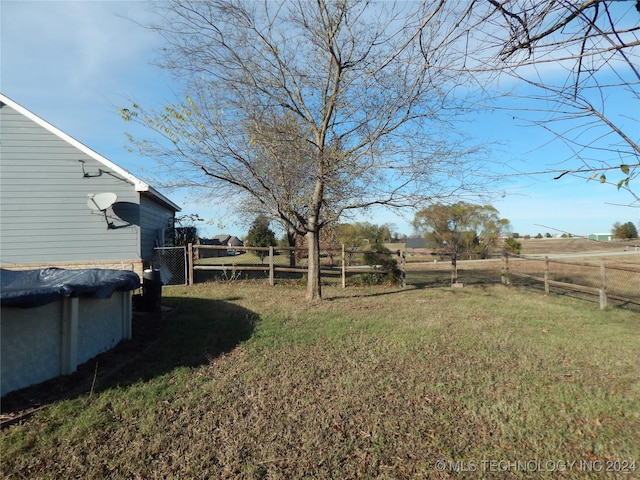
154	218
44	214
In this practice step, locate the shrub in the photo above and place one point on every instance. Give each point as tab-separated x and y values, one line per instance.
368	279
379	257
513	246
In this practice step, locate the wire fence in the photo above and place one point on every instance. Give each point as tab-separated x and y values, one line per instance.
172	264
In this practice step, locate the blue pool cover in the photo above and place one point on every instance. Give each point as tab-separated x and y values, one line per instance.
34	288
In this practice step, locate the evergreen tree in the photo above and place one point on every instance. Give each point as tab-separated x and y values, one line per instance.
260	235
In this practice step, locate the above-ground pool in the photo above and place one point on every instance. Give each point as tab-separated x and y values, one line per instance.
53	320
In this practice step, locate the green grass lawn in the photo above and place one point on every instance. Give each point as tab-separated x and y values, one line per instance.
250	381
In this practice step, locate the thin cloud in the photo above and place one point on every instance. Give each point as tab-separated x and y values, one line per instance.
72	62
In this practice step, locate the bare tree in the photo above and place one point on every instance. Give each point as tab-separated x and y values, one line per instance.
285	159
315	109
579	57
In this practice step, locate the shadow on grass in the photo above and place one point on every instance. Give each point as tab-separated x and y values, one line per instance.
195	332
192	333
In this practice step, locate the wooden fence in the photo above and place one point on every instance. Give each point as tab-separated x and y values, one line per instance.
610	282
607	280
272	268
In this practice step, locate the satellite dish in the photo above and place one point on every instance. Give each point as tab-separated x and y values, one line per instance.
101	201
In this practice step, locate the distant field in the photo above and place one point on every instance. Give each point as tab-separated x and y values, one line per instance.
541	246
557	246
533	246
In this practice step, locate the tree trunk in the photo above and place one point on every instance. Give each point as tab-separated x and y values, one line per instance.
291	240
314	289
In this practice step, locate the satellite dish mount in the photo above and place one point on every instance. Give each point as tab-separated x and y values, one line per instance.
101	202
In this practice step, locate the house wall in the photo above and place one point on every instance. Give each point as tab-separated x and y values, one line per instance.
45	219
156	224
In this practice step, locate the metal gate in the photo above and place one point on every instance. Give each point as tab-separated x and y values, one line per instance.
172	263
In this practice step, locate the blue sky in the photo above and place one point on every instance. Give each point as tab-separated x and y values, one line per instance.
75	63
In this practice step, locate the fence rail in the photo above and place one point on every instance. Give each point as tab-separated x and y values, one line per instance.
607	280
609	283
272	267
615	283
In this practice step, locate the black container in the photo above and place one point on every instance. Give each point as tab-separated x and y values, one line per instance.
151	290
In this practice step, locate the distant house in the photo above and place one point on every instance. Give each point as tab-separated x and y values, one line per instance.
228	240
415	242
64	205
209	252
421	244
600	237
223	240
235	242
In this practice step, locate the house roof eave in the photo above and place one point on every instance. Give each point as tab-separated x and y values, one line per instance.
152	192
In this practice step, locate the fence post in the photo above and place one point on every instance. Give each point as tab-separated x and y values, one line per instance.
454	268
190	262
546	276
186	265
603	285
505	269
344	269
271	272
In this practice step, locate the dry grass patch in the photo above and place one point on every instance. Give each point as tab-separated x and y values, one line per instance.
368	383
